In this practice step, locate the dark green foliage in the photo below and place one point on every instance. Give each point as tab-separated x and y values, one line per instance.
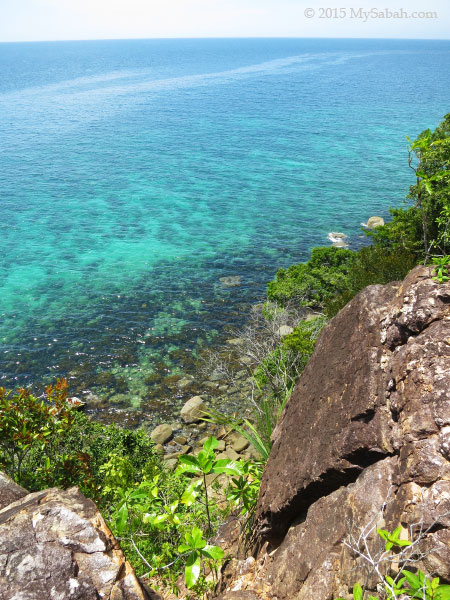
373	265
99	442
313	282
404	233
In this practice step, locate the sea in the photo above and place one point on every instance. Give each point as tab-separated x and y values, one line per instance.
149	190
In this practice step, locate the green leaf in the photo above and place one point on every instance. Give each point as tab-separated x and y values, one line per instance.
442	593
122	518
213	552
137	494
412	579
210	444
402	542
197	538
192	570
191	493
205	462
189	464
225	465
189	460
357	592
397	531
160	519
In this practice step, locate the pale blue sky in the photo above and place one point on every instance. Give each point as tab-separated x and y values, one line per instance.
23	20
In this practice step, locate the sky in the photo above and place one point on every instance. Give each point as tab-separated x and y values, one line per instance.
36	20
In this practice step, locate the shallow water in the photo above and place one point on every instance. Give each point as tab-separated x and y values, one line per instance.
134	175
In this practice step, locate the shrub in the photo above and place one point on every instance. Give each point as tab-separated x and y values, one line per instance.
315	281
372	265
47	442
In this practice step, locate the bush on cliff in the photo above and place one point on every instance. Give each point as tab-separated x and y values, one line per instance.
45	443
314	282
372	265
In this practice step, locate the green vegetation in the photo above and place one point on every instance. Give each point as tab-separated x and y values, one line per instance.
162	518
48	442
314	282
423	228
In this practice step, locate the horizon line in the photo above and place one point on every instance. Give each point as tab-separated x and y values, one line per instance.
249	37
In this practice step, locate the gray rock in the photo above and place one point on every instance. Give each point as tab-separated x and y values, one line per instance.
374	222
232	454
238	442
339	240
364	423
246	360
55	545
193	410
180	439
171	464
161	434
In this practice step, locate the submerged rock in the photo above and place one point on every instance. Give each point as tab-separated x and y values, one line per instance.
231	280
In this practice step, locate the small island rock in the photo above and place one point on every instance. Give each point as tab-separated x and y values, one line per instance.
374	222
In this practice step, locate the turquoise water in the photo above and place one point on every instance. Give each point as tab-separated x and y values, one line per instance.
136	174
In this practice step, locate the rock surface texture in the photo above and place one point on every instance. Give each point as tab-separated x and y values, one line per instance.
368	422
55	545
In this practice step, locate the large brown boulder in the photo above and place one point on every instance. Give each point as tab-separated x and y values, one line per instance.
55	545
368	422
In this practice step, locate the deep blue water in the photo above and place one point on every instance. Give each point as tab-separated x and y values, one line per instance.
135	174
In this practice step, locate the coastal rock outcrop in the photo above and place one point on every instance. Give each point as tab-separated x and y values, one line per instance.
367	425
55	545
